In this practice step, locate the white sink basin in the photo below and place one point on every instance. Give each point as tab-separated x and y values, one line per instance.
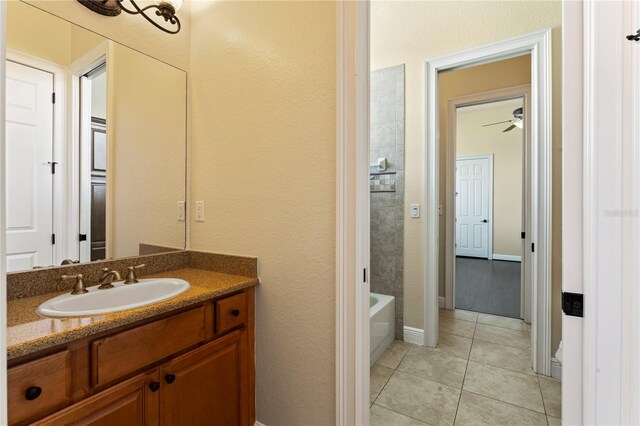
119	298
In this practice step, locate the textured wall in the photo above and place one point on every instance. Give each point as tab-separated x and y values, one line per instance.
413	32
387	213
263	160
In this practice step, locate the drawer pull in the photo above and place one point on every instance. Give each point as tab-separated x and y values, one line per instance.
32	393
170	378
235	312
154	386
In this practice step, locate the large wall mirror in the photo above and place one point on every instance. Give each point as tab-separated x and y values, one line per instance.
98	170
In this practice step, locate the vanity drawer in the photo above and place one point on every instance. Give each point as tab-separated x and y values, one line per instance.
125	352
39	386
231	312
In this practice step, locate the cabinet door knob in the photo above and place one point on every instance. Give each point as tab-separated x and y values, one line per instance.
154	386
32	393
235	312
170	378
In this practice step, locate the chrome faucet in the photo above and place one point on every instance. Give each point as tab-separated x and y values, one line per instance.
107	278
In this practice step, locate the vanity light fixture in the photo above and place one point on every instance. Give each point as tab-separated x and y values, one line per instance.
164	8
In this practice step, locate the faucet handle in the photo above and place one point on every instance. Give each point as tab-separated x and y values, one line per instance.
131	274
78	287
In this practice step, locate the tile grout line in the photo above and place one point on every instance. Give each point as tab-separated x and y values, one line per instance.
391	375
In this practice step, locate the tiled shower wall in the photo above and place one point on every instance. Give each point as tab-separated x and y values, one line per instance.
387	188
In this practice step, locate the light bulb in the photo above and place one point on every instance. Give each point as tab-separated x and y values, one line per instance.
518	124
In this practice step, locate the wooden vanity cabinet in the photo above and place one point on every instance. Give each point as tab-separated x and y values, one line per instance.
186	398
206	381
131	402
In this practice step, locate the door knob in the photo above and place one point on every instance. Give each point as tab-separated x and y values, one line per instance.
485	221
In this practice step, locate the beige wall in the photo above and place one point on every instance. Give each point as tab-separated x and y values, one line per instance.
145	138
129	30
405	32
474	139
263	160
38	34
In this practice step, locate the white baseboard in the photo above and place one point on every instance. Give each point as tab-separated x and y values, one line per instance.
441	302
508	257
556	369
413	335
257	423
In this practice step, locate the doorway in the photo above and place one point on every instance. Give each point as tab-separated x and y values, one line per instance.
489	214
93	164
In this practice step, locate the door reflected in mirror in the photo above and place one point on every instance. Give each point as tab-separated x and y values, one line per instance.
96	149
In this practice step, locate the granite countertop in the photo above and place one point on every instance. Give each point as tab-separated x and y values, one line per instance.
27	332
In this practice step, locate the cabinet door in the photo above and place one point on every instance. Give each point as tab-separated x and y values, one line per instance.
207	386
130	403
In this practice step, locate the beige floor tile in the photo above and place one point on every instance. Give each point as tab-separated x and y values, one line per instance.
394	354
457	327
418	398
504	322
380	416
479	410
459	314
552	395
503	336
502	356
433	365
504	385
554	421
454	345
378	377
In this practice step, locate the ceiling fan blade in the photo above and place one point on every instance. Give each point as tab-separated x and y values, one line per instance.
499	122
508	129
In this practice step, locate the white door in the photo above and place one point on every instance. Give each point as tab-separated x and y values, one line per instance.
473	203
29	151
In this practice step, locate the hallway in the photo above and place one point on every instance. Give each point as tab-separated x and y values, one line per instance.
479	374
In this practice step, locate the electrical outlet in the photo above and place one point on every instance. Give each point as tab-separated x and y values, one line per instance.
181	211
199	211
415	210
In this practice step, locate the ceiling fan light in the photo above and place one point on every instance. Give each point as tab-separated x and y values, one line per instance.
518	124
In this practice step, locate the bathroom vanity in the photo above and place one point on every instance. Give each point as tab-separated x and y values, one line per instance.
185	361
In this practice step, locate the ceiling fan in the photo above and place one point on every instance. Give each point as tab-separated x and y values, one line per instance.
518	115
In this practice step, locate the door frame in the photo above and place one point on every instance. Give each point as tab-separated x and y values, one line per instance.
488	157
77	69
538	44
60	198
514	92
352	212
3	267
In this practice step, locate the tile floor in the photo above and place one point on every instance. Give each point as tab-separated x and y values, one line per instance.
479	374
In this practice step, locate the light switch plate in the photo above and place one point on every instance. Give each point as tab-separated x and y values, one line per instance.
199	211
415	210
181	211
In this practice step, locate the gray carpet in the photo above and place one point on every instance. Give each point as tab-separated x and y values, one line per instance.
488	286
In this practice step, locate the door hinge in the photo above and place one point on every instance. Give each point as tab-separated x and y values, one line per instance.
523	235
573	304
53	166
53	98
82	237
533	247
53	238
364	275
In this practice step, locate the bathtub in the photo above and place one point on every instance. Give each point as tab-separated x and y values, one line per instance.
382	311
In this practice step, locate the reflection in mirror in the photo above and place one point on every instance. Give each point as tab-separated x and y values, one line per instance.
96	146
